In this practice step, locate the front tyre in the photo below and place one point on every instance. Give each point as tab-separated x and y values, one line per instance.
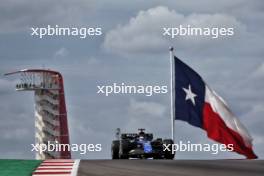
124	149
168	154
115	149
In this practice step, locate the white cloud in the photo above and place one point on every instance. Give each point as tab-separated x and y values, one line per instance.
62	52
144	108
143	33
259	72
146	114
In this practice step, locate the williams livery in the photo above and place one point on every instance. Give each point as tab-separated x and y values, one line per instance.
140	145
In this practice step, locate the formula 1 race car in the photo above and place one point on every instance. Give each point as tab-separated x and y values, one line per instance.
140	145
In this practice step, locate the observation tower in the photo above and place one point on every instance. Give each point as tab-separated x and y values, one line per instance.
50	109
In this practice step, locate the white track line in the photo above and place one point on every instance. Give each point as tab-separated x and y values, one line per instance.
75	168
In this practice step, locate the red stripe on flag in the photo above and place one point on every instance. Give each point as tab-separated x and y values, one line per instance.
218	131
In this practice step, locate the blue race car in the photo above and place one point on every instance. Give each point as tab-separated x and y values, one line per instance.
140	145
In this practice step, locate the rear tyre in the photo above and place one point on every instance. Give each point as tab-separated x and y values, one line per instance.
115	149
168	154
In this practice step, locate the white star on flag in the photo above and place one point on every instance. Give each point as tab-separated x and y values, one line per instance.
189	94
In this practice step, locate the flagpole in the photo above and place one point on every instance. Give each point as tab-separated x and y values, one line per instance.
172	93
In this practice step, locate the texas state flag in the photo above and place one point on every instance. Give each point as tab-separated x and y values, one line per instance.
200	106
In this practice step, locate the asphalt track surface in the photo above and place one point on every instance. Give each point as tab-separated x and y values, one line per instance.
171	167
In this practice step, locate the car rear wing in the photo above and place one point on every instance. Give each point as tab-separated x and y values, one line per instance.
129	135
149	136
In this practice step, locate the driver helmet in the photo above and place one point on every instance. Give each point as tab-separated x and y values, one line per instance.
141	138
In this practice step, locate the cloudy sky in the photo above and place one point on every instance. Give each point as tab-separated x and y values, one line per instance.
131	50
